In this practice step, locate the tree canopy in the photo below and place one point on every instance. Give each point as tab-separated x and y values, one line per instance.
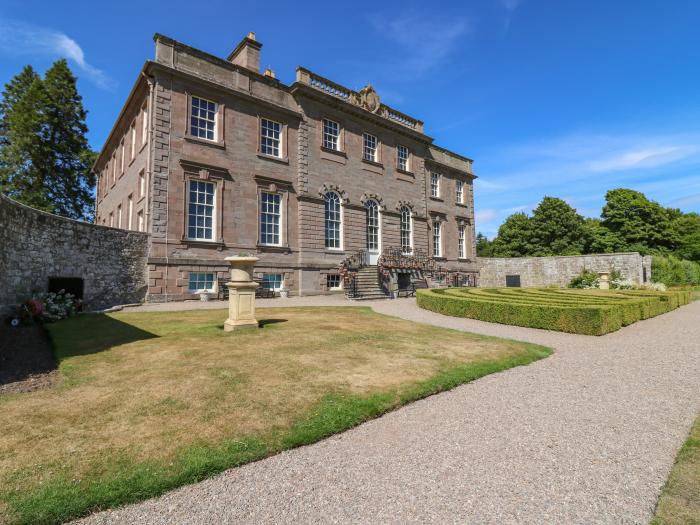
45	160
629	222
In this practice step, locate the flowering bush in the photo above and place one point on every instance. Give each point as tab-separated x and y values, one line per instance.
586	279
59	305
657	287
49	307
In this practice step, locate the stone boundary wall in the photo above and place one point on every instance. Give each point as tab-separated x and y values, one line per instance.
545	271
36	246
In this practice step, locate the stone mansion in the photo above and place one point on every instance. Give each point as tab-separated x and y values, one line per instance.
213	158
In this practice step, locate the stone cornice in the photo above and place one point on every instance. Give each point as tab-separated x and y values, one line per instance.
356	111
153	67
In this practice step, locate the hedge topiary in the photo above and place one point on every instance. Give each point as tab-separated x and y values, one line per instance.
589	312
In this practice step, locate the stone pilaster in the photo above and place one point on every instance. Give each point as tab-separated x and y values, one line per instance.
161	158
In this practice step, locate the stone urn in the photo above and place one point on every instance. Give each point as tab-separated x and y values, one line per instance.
241	294
604	281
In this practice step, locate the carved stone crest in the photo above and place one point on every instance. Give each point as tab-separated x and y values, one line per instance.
369	99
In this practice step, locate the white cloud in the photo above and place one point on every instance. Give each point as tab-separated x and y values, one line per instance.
643	158
18	38
425	40
485	215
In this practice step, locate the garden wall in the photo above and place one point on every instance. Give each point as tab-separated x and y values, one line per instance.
545	271
36	246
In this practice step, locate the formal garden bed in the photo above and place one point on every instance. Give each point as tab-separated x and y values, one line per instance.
590	312
151	401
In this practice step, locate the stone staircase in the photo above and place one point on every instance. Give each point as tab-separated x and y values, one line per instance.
367	285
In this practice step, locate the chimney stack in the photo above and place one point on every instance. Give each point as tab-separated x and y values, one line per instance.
247	53
269	73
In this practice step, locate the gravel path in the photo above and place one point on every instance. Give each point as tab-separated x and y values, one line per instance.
585	436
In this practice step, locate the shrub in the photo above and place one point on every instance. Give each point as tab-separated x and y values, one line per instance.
586	279
675	272
593	312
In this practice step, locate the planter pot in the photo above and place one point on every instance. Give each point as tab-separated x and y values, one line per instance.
241	268
284	294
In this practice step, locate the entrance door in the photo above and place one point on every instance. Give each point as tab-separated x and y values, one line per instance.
373	237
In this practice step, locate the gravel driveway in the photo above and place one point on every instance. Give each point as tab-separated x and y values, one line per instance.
585	436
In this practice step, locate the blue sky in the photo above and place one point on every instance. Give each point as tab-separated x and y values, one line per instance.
549	97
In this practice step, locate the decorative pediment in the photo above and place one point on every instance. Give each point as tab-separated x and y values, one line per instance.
372	197
335	188
407	204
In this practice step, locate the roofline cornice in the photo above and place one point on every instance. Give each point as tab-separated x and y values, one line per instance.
302	89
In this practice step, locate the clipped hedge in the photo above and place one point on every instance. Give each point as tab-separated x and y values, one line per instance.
588	312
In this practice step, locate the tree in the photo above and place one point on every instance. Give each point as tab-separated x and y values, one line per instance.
598	239
66	145
45	160
14	90
687	234
484	247
22	148
513	239
556	229
637	221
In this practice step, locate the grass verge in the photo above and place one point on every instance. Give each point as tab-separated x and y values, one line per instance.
679	503
153	401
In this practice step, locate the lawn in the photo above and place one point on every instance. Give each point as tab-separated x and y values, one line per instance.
679	503
589	312
151	401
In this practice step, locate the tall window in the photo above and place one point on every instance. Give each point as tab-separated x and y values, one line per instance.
460	192
406	234
130	211
270	133
111	219
434	185
333	221
144	123
437	244
142	183
372	209
461	242
369	149
203	118
122	157
201	282
133	139
114	168
139	220
270	217
200	211
331	135
402	158
119	216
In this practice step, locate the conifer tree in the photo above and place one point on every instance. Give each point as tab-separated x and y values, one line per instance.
45	160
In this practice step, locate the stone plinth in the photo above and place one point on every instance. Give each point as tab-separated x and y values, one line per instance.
241	294
604	282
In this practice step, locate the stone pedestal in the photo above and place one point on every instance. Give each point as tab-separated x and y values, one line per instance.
241	294
604	281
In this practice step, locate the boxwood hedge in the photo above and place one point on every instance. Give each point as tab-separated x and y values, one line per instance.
589	312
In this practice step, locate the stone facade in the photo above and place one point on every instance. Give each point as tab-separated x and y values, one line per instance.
160	108
38	246
545	271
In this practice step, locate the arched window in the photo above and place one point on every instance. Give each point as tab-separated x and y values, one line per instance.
372	209
333	221
406	230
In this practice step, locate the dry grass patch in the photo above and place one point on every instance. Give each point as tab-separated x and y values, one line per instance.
150	401
679	503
